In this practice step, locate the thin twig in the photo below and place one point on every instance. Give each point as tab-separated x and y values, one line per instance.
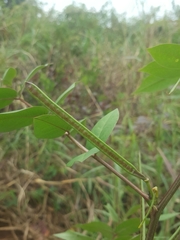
138	190
22	100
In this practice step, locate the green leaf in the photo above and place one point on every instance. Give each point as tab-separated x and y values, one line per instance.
7	95
8	76
155	69
167	216
104	127
167	55
34	71
153	84
70	235
83	156
50	126
127	228
98	227
65	94
21	118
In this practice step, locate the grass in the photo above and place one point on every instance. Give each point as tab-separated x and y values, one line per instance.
103	52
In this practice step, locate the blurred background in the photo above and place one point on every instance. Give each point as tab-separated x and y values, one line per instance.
130	7
101	45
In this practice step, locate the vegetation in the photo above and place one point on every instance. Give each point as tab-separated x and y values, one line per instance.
102	53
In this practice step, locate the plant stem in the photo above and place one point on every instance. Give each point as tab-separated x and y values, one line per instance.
155	215
22	100
143	228
138	190
168	195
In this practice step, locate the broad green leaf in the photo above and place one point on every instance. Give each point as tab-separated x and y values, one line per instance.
128	227
167	216
8	76
155	69
98	227
112	213
70	235
49	126
167	55
65	93
154	84
21	118
83	156
7	95
104	127
34	71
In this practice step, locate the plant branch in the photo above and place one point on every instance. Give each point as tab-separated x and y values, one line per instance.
105	164
155	215
22	100
168	195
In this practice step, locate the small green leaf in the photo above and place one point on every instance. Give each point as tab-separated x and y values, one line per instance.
7	95
65	93
83	156
98	227
49	126
104	127
8	76
34	71
70	235
167	216
21	118
157	70
167	55
154	84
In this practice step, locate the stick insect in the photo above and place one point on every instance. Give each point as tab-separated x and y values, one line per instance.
83	131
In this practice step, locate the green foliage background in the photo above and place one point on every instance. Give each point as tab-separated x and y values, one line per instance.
102	51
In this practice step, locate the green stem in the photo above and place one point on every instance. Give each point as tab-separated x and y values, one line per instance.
143	229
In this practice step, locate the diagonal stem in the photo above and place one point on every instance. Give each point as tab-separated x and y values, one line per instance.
168	195
155	215
124	179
